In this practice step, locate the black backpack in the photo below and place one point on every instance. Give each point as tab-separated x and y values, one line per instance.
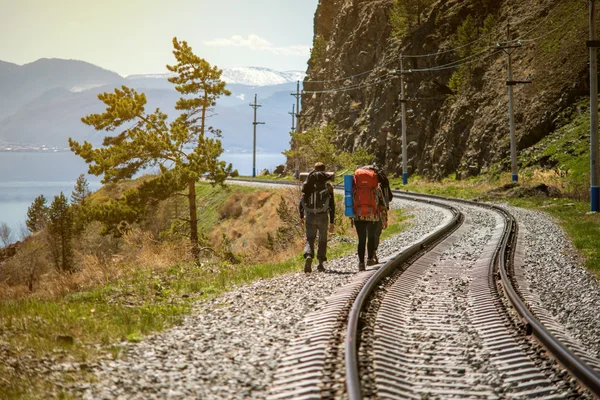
316	193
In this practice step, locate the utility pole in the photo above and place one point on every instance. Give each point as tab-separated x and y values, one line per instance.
297	96
293	114
510	83
403	105
593	45
511	117
255	106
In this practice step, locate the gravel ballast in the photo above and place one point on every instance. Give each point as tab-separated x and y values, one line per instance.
555	273
229	347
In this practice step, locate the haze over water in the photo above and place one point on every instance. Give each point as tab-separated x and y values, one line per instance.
24	176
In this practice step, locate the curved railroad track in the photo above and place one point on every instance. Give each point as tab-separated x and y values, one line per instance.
427	324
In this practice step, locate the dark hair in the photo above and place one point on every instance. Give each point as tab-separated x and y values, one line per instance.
319	166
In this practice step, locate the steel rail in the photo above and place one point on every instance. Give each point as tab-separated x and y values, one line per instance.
352	334
578	368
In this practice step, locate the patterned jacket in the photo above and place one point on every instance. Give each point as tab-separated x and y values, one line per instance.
382	214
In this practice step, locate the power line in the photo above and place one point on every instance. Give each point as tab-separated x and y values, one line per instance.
498	29
555	29
379	80
544	19
351	87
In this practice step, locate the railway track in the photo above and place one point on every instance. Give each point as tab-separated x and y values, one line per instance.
449	317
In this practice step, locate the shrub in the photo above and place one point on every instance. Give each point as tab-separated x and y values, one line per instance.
231	208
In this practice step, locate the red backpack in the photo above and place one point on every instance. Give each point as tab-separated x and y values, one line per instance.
365	186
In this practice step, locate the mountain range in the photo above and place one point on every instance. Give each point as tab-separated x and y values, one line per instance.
42	103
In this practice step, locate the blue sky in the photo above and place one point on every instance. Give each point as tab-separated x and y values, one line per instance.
134	36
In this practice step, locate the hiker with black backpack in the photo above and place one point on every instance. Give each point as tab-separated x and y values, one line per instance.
318	204
370	209
384	183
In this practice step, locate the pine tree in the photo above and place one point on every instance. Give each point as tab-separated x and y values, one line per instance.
404	14
60	232
37	214
149	140
79	204
81	191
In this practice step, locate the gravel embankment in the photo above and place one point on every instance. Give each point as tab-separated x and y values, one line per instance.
229	347
555	274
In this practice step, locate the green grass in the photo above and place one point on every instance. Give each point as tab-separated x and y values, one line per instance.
566	150
449	187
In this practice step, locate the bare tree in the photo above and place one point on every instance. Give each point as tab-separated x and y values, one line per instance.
6	235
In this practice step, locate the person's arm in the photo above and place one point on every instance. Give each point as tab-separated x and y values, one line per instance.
331	208
383	214
301	209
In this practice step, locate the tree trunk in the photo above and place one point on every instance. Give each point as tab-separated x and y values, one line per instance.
193	219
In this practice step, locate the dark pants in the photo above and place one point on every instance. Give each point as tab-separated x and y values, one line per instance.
378	230
316	223
366	231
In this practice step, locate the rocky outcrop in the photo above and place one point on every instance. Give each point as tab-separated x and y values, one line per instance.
447	133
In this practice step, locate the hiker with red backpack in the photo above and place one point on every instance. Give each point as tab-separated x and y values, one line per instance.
384	183
370	208
318	204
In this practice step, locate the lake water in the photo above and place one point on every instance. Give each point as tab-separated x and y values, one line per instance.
24	176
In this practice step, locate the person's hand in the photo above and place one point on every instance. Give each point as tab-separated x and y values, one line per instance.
301	221
331	228
385	225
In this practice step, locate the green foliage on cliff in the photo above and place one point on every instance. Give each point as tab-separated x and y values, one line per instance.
405	14
317	53
471	39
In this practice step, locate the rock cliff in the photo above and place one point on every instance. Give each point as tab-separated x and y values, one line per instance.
461	128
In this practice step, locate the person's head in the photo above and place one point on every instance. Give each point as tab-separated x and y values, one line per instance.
319	166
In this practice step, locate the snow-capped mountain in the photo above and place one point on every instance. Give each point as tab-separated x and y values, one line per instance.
250	76
255	76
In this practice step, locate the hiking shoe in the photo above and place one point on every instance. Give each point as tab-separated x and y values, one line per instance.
307	264
321	267
361	266
371	261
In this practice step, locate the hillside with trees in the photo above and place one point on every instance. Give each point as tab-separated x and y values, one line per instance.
455	74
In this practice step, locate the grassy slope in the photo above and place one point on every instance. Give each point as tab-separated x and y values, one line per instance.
136	304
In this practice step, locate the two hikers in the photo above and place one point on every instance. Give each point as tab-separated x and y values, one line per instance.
370	210
318	205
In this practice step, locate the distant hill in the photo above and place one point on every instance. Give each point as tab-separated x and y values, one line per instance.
20	85
7	68
42	103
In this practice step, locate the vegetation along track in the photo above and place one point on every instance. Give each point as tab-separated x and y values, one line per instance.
435	322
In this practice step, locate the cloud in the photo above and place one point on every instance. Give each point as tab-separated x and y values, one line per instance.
255	42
